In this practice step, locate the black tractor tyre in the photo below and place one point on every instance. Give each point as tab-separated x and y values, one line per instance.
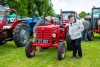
21	34
29	49
69	46
90	35
61	51
3	42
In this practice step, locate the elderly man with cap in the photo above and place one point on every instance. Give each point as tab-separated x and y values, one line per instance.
75	33
40	23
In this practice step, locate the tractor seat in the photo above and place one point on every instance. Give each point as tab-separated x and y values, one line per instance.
6	27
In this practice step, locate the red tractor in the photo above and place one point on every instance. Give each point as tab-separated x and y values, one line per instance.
95	19
48	36
14	30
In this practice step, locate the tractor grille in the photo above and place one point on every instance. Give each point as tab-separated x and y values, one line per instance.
43	34
39	34
46	34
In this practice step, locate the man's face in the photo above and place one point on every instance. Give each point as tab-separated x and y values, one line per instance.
72	19
49	20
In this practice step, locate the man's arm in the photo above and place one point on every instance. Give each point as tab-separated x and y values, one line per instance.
39	23
47	23
81	27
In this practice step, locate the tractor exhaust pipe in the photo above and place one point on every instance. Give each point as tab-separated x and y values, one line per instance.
43	18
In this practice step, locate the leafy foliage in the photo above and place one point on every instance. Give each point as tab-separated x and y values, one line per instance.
30	7
19	5
82	14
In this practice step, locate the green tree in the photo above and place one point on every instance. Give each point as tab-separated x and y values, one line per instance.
44	5
82	14
20	6
30	7
3	2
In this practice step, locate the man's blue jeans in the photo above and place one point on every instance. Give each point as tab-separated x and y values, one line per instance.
84	35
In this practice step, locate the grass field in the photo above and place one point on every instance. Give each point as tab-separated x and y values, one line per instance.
12	56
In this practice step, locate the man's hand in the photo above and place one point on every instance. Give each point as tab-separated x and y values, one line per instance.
34	34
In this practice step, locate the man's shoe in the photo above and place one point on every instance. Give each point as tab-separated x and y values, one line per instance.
78	57
72	57
40	49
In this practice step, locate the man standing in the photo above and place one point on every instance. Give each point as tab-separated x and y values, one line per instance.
75	32
86	25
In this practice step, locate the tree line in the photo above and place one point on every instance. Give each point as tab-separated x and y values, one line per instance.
30	7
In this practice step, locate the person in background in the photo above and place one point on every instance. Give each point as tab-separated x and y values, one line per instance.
75	33
88	18
87	27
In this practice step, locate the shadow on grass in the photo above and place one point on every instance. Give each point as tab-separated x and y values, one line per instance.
96	37
8	48
10	44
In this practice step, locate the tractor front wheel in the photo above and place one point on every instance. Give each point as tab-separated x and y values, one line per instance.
30	49
21	34
61	51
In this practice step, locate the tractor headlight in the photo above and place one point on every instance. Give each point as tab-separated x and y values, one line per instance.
53	35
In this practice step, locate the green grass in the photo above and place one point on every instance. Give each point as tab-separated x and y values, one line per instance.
12	56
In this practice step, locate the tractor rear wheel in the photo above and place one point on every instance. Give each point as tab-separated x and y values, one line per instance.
21	34
90	35
3	42
29	49
61	51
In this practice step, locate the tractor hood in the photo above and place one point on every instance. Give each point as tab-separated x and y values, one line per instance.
48	27
45	32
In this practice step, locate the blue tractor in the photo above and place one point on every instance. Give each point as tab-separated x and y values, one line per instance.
31	23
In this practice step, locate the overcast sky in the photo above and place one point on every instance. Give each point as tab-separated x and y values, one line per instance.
75	5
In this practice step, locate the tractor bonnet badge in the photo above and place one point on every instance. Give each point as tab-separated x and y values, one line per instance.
42	28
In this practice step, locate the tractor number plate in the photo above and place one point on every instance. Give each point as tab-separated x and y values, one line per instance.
42	41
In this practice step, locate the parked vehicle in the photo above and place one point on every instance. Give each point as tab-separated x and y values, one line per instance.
48	36
13	30
31	23
95	19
